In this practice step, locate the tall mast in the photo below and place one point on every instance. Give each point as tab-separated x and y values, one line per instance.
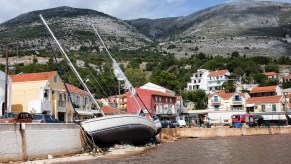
116	66
71	65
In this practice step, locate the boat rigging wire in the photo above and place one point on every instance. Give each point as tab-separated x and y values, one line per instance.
71	65
60	72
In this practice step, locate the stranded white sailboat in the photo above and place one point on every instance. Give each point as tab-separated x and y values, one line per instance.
117	128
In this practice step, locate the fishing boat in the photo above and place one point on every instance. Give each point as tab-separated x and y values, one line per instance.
106	130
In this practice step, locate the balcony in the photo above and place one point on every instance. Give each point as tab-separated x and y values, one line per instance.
237	109
166	112
237	100
46	106
61	106
215	102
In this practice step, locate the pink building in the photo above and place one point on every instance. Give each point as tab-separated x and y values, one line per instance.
159	103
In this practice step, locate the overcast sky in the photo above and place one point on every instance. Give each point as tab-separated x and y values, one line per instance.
122	9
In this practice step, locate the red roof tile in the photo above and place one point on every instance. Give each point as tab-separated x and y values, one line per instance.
263	89
270	73
217	72
33	76
267	99
74	89
288	76
111	111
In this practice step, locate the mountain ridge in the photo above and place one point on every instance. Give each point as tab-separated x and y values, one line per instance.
253	28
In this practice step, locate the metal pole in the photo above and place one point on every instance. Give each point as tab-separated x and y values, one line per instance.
71	65
6	82
286	113
132	90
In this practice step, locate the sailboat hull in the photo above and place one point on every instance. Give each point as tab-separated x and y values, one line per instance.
109	130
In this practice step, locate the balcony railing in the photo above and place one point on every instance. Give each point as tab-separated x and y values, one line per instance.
238	108
215	101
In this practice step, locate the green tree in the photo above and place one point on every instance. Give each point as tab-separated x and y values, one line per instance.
272	67
286	84
167	80
261	79
136	76
198	96
229	86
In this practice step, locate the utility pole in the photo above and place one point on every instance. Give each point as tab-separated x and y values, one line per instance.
285	108
6	81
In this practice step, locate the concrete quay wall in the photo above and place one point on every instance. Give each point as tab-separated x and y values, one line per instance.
222	132
20	142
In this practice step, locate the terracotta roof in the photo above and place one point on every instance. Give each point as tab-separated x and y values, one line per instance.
74	89
217	72
288	76
270	73
152	92
266	99
33	76
264	89
226	95
111	111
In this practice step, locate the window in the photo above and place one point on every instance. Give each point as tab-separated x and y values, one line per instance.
216	107
237	98
60	97
166	108
77	99
166	99
46	94
160	99
215	99
273	107
171	100
55	79
263	108
85	101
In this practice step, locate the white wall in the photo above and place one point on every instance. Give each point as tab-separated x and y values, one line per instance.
2	92
38	141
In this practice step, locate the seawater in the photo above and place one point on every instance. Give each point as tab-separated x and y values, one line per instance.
262	149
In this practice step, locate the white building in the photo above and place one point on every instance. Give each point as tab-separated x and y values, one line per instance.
208	80
199	80
2	93
217	78
221	106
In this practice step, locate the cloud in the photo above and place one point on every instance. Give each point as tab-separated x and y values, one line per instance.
123	9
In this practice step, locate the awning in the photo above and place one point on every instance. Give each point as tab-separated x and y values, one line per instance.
250	105
274	117
84	113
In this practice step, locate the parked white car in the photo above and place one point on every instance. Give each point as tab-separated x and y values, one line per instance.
182	123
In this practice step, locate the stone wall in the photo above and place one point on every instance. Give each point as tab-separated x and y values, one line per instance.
30	141
222	132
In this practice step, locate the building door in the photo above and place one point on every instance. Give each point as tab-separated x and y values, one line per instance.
3	109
